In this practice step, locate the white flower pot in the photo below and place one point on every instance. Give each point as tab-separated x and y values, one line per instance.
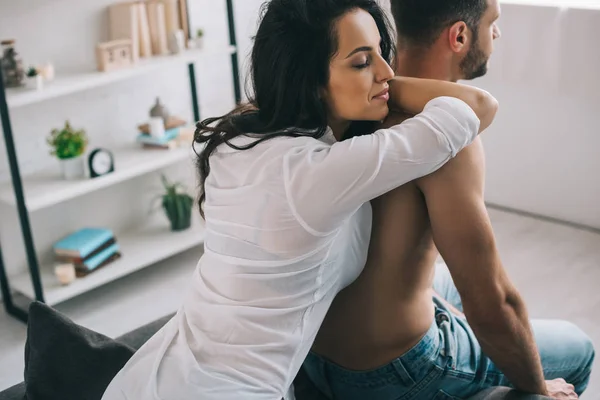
199	42
73	168
35	83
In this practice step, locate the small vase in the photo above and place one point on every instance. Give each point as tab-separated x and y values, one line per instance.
177	42
159	110
47	71
178	209
72	168
65	273
35	82
178	225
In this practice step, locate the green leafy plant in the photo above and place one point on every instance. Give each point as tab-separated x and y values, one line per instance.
32	72
199	32
177	205
67	142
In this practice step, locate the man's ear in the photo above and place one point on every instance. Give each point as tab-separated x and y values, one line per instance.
459	37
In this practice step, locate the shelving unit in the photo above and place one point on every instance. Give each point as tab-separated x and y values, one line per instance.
47	188
141	246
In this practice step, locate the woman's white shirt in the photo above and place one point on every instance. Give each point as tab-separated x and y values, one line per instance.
287	227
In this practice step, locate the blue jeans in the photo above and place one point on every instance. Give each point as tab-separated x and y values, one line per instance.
449	364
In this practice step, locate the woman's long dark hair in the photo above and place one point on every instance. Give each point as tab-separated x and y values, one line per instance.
295	42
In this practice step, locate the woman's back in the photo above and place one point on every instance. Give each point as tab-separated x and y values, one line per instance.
259	293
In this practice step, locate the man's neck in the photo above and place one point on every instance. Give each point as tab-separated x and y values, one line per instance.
418	63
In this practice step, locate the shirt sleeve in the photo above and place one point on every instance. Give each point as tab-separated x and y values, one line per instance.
325	184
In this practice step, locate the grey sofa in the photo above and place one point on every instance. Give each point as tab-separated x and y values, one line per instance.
138	337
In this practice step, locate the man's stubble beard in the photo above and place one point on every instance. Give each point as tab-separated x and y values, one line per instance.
475	63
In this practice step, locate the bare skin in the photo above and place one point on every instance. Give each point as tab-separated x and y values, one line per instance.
390	320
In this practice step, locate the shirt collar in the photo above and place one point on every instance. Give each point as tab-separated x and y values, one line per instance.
328	137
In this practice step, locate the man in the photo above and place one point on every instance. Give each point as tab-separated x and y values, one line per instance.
384	337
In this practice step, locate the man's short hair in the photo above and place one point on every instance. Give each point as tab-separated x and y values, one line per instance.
420	22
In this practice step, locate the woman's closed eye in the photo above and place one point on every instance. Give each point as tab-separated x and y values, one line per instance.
362	64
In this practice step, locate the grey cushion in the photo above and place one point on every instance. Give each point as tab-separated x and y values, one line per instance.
134	340
66	361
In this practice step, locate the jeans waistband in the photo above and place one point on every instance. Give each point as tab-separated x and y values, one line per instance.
406	367
425	350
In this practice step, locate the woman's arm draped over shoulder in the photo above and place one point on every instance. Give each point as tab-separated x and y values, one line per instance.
411	95
327	183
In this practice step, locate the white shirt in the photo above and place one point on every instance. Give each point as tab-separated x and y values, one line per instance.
287	227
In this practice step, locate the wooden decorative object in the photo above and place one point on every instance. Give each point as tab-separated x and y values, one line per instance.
115	54
183	18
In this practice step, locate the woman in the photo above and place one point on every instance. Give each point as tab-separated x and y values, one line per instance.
286	204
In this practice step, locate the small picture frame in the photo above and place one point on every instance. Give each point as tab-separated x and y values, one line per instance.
114	55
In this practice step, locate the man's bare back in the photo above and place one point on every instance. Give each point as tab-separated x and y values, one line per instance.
389	321
402	272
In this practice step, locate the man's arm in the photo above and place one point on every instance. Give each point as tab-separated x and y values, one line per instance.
463	234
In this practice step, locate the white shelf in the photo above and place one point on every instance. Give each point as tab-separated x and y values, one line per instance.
140	248
65	85
48	188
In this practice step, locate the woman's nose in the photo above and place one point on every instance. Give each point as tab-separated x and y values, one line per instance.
384	72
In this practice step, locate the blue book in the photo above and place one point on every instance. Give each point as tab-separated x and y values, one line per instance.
167	137
95	261
82	243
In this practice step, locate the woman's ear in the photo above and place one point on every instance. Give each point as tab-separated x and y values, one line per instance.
322	94
325	98
459	37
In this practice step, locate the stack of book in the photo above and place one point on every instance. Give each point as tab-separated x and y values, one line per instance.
148	24
87	249
168	141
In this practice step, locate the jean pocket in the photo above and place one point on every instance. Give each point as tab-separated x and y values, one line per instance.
441	395
448	341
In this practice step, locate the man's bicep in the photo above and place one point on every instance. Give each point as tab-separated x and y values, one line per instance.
460	223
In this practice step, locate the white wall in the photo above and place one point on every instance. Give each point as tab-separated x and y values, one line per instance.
542	151
65	32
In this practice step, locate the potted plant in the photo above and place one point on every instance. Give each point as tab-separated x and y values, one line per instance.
69	145
177	205
34	79
199	38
